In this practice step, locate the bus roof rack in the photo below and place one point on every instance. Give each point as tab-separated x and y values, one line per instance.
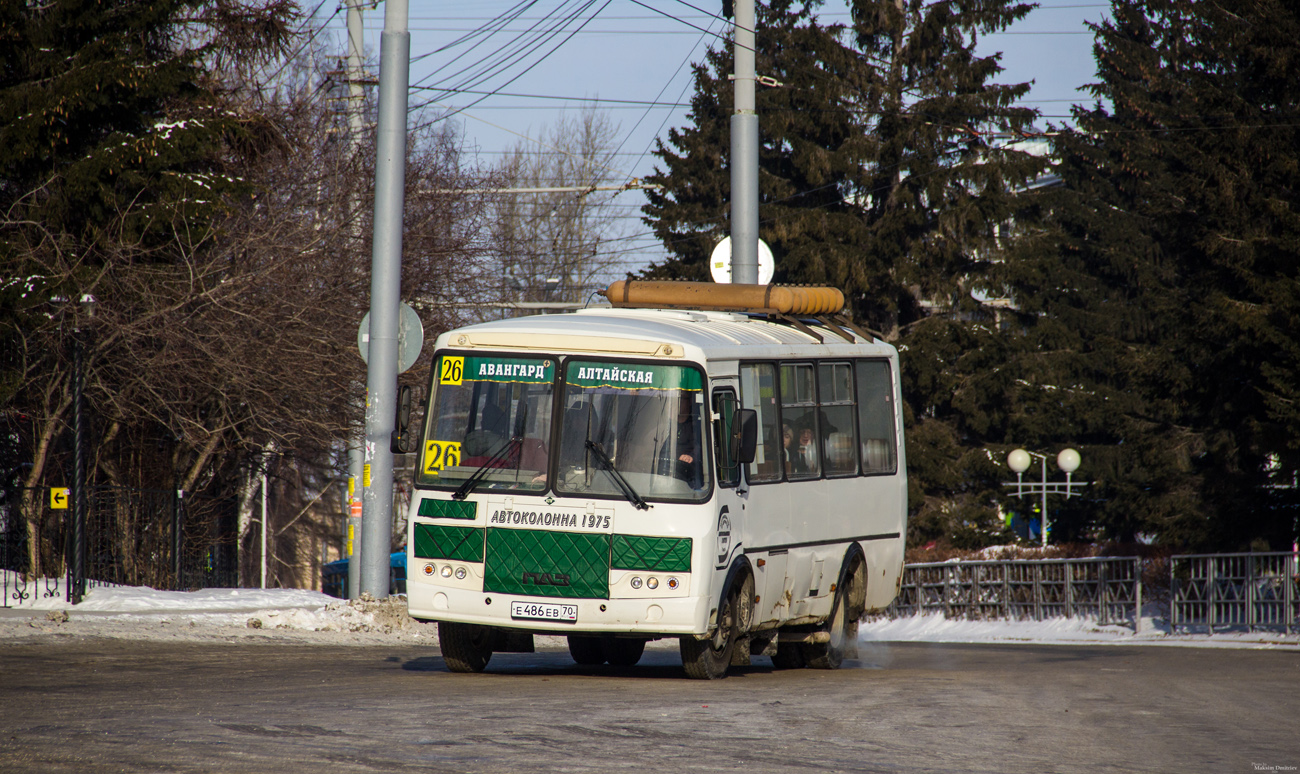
784	304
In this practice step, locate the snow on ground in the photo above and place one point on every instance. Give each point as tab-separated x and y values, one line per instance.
1062	631
308	616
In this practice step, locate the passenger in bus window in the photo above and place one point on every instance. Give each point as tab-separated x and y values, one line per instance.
807	451
787	437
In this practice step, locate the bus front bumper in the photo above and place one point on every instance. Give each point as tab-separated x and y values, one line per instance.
655	616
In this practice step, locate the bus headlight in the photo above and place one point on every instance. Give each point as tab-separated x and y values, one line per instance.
460	573
636	582
446	571
652	583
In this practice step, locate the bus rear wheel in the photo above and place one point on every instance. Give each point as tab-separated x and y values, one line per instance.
465	647
842	627
623	652
788	655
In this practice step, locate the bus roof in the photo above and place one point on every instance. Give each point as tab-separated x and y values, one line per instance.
670	333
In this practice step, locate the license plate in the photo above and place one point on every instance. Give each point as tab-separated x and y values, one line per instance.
543	611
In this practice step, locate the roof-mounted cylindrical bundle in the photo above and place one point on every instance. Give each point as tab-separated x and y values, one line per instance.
771	299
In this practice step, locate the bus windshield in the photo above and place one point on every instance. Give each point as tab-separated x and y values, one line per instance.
489	418
638	422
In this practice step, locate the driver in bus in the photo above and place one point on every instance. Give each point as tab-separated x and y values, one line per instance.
689	463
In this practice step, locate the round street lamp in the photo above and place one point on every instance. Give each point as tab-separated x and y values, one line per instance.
1068	461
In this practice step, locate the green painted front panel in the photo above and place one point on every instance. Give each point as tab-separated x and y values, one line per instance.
542	563
440	541
447	509
654	554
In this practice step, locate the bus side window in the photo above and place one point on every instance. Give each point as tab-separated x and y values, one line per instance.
758	392
876	416
799	414
839	434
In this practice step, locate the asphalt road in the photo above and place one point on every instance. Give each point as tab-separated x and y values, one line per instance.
117	705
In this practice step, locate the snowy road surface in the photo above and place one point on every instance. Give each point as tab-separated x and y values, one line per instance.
252	681
75	704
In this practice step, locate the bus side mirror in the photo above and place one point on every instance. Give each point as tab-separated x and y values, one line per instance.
747	435
402	440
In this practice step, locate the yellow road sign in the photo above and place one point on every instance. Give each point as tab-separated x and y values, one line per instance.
59	498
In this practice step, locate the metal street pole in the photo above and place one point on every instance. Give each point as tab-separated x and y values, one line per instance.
1068	461
264	557
385	295
356	105
77	555
76	552
1043	523
744	152
352	522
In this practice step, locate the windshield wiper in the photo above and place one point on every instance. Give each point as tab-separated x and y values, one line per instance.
628	491
478	475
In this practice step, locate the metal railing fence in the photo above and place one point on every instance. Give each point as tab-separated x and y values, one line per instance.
1210	592
133	537
1106	589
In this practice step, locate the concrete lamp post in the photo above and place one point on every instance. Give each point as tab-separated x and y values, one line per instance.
1068	461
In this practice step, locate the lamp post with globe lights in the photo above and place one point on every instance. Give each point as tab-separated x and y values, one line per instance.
1068	461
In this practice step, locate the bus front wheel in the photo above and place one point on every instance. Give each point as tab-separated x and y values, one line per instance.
586	651
708	659
465	647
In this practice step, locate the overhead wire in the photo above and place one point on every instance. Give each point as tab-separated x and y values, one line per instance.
495	22
512	51
490	68
525	71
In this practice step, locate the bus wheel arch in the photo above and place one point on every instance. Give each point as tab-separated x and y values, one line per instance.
846	611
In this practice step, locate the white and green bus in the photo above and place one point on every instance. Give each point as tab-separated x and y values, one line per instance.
732	479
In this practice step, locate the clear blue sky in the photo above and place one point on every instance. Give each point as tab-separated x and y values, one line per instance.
640	52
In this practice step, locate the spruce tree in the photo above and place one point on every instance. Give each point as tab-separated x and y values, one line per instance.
943	175
109	115
1172	265
883	171
934	185
804	167
876	170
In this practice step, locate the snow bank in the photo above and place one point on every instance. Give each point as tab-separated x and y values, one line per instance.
136	612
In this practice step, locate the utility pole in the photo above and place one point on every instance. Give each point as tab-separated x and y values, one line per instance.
385	295
744	152
356	99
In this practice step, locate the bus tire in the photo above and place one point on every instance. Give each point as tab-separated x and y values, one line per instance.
586	651
623	652
465	647
842	624
708	659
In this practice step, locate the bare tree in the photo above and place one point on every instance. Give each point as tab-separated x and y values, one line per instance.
218	352
550	244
